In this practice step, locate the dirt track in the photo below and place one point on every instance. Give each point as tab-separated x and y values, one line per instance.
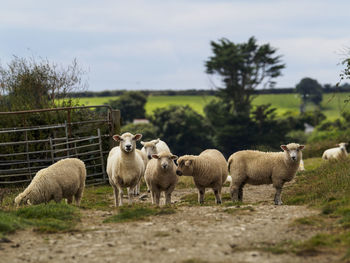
205	233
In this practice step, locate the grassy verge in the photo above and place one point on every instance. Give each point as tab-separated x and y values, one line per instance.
48	218
138	212
327	188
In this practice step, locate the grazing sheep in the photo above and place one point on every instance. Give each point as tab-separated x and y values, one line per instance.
256	168
63	179
125	166
336	153
209	169
160	175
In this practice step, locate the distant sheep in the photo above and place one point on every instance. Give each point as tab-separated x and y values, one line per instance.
125	166
64	179
209	169
257	168
336	153
160	175
154	147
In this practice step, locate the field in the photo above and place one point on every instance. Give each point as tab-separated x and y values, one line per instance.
312	226
332	104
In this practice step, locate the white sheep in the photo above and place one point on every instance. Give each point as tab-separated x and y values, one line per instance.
336	153
145	161
125	166
209	169
149	148
160	175
257	168
63	179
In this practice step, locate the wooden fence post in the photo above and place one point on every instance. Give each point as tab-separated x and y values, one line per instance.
115	126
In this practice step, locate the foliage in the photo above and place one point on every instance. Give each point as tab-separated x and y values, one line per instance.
30	84
131	105
147	130
185	131
310	91
243	67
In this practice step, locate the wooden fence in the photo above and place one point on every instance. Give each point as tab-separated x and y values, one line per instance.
20	160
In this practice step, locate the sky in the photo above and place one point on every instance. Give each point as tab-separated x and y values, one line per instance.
163	44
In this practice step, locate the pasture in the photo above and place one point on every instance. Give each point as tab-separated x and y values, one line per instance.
311	226
332	104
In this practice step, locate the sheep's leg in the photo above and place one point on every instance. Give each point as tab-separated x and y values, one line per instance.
240	192
70	199
148	188
57	197
217	193
137	189
157	195
201	192
116	194
153	195
234	190
130	194
168	195
79	195
278	200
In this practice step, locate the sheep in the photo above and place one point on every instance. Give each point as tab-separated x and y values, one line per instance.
154	147
160	175
145	161
257	168
209	169
63	179
336	153
149	148
125	166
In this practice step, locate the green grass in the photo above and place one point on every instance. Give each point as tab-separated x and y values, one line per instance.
327	187
49	218
98	197
332	104
138	212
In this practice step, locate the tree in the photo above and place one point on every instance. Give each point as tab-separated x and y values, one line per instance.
310	91
183	129
30	84
131	105
243	67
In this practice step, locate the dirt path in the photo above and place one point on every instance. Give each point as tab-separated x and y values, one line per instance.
204	233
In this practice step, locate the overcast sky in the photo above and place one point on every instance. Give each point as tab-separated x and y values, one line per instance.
163	44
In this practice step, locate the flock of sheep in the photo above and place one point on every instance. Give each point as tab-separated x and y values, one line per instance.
126	165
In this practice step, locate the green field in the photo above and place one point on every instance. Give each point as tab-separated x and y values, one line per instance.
333	104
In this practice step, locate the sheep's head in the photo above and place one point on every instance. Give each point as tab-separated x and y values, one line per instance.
150	148
165	160
22	199
127	141
293	151
185	165
342	146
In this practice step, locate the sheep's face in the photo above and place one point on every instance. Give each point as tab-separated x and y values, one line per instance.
185	166
293	151
22	199
150	148
342	146
165	160
127	141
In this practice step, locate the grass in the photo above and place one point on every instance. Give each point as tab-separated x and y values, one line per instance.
332	104
209	199
48	218
98	197
138	212
326	187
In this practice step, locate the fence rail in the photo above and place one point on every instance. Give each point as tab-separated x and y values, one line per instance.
21	160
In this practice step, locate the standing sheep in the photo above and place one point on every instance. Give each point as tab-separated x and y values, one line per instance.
160	175
125	166
154	147
64	179
256	168
336	153
209	169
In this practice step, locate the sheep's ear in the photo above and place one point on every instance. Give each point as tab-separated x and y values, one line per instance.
155	156
156	141
284	147
137	137
188	162
142	143
173	157
301	147
117	138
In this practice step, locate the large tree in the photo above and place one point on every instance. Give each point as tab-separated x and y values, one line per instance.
310	91
243	67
